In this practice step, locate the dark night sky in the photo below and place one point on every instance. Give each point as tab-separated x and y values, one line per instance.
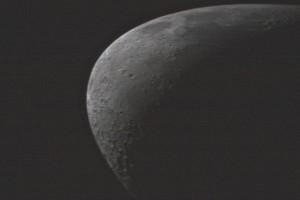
48	49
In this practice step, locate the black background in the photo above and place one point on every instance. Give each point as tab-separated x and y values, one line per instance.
47	51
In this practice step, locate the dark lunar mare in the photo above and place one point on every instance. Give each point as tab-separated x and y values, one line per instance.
217	120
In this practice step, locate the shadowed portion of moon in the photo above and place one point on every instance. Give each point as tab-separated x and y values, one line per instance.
203	104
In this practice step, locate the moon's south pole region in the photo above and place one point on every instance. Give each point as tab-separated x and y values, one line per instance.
203	104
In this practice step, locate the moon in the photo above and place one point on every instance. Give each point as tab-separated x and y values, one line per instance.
199	102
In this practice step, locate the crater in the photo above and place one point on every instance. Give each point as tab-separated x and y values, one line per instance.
157	27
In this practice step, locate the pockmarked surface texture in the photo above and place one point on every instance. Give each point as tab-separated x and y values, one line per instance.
188	103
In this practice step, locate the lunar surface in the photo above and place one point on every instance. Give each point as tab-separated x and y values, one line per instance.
202	104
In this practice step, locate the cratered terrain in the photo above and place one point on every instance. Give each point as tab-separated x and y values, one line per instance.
203	104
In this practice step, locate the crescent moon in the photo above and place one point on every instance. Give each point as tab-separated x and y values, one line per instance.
177	59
